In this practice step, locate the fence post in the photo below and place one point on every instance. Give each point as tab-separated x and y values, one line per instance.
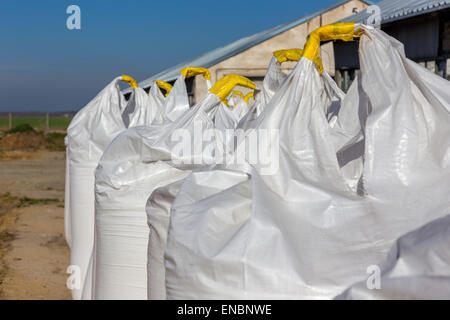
47	122
10	121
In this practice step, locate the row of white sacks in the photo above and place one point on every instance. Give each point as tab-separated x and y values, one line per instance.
90	133
363	181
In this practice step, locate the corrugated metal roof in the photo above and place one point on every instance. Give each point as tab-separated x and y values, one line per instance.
213	57
392	10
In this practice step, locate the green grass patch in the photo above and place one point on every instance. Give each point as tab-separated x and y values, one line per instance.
59	123
55	123
23	127
4	123
35	122
25	201
56	141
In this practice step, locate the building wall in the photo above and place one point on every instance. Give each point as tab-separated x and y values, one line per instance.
253	62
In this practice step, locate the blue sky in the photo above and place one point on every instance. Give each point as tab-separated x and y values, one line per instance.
46	67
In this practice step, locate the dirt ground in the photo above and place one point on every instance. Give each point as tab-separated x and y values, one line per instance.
33	253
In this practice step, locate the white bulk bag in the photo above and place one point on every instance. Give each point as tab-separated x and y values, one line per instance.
225	119
156	96
220	191
178	99
304	231
158	217
158	205
133	116
166	110
417	267
272	81
232	111
238	104
154	101
159	214
137	162
160	202
67	230
234	98
175	103
88	134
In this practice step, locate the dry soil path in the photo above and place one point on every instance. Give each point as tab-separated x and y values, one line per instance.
33	252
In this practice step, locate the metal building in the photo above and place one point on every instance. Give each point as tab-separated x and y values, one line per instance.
423	26
251	55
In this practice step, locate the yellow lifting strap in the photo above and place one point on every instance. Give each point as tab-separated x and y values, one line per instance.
293	55
288	55
194	71
238	93
164	85
130	81
248	96
225	85
338	31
